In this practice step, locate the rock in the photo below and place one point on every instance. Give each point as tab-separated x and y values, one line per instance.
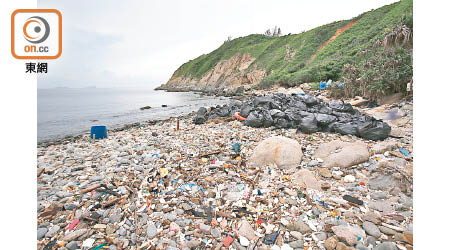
381	147
193	244
52	231
372	217
215	232
378	195
349	178
297	235
386	246
244	241
70	206
371	241
41	232
324	172
296	244
205	228
331	243
348	233
286	153
387	230
359	246
383	182
299	226
72	245
350	154
74	235
151	230
115	218
246	230
306	178
313	163
371	229
122	231
341	246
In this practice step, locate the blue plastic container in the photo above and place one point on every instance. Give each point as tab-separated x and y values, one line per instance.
98	131
323	85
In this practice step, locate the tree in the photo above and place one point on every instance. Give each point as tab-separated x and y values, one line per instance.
274	31
279	32
267	33
228	39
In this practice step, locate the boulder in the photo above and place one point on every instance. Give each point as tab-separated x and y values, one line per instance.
286	153
306	178
348	154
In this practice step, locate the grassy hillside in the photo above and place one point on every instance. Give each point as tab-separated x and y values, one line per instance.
327	63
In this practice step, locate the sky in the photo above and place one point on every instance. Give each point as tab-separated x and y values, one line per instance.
140	43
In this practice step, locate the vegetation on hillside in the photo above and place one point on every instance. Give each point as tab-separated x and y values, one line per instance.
358	53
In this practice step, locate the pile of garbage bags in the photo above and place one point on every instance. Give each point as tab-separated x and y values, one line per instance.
306	113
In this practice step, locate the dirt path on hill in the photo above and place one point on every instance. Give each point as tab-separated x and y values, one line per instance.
338	32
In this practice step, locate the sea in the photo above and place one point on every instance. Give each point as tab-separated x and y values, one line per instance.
65	112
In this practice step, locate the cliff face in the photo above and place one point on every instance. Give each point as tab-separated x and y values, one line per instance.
227	74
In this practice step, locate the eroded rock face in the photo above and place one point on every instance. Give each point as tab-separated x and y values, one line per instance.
286	153
229	74
342	154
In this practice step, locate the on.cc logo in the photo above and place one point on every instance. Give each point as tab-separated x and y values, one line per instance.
36	29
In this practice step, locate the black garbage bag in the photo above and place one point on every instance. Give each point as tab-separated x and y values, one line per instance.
293	114
308	124
201	116
298	103
374	130
340	106
282	123
259	118
324	119
276	113
265	102
310	100
245	110
346	128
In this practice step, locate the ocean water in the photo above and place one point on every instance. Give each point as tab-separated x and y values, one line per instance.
66	111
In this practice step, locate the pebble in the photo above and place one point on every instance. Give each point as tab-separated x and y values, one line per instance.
331	243
386	246
41	232
151	230
371	229
72	245
52	231
296	244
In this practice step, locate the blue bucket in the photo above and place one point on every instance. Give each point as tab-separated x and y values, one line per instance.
98	131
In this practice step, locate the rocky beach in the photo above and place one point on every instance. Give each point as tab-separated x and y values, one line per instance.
225	185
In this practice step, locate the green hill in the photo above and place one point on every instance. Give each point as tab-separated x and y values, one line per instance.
315	55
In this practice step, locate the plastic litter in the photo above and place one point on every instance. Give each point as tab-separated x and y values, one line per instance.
98	132
73	224
353	200
236	147
404	152
228	240
270	239
99	246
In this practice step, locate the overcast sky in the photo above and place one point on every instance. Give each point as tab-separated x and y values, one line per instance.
116	43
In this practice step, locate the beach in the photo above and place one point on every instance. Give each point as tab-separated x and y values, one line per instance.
153	186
